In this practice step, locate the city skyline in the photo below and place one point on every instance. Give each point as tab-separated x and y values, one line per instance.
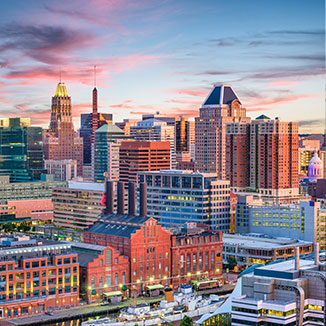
163	56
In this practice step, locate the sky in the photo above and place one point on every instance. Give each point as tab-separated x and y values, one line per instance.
164	55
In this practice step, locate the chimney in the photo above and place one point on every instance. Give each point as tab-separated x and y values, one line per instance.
131	199
120	207
316	253
296	258
143	200
109	197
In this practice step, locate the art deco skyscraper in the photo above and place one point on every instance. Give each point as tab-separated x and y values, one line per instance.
61	142
221	106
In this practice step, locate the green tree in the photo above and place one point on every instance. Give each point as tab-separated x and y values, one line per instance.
186	321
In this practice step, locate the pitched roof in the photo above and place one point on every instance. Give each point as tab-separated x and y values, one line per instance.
61	90
221	94
110	128
263	116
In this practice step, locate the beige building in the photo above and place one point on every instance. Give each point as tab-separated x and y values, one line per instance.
221	106
78	205
63	170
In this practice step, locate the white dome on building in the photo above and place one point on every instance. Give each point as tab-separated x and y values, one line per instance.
315	168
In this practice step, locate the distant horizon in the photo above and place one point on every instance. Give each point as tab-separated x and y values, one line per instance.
164	56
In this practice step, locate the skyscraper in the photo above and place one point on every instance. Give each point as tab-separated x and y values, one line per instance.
143	156
221	106
274	157
61	141
21	152
106	152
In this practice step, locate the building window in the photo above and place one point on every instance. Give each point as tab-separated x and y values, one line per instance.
108	257
116	279
212	259
93	282
123	278
194	262
206	261
108	279
188	263
200	261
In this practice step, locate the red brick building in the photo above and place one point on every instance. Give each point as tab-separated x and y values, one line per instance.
138	156
102	270
45	276
155	255
196	252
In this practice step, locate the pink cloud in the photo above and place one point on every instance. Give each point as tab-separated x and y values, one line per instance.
190	91
283	83
281	100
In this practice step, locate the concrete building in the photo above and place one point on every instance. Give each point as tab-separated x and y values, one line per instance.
28	210
138	156
175	197
220	107
156	130
78	205
315	168
106	146
291	292
126	125
253	248
61	142
185	140
27	190
303	221
64	170
21	150
306	152
36	276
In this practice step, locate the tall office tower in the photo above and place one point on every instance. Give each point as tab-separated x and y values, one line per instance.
185	140
21	153
106	152
94	116
138	156
85	132
61	142
221	106
175	197
274	157
237	154
155	130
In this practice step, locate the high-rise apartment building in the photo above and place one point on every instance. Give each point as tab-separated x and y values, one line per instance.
21	150
61	142
274	157
237	161
138	156
175	197
106	152
155	130
221	106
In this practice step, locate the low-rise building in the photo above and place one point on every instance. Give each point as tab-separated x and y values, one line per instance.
250	249
285	293
36	276
34	210
196	252
102	270
62	170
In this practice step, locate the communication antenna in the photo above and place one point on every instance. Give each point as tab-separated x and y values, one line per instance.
94	75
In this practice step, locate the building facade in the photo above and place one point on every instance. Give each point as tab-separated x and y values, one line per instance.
61	142
138	156
21	150
175	197
44	277
106	155
196	252
64	170
78	205
220	107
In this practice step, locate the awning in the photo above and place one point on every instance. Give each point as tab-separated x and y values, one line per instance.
204	282
154	287
112	294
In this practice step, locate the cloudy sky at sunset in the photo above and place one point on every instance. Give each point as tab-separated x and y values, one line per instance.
163	55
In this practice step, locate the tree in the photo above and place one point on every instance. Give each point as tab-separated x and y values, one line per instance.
186	321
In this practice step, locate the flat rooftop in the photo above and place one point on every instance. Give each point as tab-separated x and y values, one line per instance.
260	241
91	186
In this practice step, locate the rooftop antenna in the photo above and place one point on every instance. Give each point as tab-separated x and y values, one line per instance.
94	75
